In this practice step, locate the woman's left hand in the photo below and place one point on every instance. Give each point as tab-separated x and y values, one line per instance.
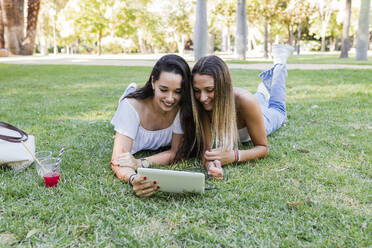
127	160
223	157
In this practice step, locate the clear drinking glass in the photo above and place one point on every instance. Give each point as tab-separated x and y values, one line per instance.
41	155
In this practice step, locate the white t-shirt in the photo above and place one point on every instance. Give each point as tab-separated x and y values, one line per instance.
127	122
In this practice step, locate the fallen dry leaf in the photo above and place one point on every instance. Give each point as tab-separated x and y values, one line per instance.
303	150
32	232
8	238
83	226
364	226
293	204
296	182
356	127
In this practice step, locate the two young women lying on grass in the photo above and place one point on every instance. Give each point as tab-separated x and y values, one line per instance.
198	114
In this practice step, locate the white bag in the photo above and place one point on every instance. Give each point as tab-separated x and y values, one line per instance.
12	152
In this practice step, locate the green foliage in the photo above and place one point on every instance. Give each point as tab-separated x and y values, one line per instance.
329	114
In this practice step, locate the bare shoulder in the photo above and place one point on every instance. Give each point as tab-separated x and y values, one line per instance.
138	104
245	100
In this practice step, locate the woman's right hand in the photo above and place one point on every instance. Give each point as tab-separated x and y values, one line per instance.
143	188
215	169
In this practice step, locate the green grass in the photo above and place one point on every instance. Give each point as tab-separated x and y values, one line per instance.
312	59
329	114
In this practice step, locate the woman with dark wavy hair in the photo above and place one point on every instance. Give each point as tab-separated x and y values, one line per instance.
151	117
225	116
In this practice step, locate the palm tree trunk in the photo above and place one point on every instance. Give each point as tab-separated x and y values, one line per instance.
241	30
12	14
363	31
345	31
201	30
28	44
2	42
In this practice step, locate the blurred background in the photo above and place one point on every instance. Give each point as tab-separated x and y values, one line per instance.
241	28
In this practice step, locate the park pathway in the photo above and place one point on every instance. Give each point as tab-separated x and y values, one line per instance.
149	60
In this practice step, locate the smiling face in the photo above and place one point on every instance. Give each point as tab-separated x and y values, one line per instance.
204	87
167	90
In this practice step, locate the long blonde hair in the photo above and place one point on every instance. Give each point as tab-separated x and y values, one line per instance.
223	123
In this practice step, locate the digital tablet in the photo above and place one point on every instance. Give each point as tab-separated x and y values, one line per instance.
175	181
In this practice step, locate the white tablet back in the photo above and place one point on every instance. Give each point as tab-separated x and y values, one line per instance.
175	181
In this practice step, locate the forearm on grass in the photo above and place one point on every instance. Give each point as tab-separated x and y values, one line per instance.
253	153
162	158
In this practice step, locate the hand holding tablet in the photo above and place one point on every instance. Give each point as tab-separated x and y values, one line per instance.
175	181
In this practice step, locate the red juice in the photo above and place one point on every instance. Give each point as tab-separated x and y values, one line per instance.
51	179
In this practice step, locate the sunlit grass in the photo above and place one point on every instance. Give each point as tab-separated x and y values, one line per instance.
329	115
312	59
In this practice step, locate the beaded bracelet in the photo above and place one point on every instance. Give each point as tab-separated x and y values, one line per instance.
130	179
237	157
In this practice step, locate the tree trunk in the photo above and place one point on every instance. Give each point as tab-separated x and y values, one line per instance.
43	43
225	37
290	35
332	43
345	31
180	43
2	42
323	33
99	42
28	44
241	30
201	30
210	47
363	31
12	14
299	39
266	39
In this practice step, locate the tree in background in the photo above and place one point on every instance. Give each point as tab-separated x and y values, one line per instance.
345	43
47	23
178	18
334	31
200	30
223	17
260	13
13	36
241	30
324	8
292	15
363	31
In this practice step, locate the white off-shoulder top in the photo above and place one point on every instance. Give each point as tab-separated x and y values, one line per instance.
127	122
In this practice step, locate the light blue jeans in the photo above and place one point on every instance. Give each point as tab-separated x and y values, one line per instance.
273	109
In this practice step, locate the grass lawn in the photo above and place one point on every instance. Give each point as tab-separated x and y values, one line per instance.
312	59
322	198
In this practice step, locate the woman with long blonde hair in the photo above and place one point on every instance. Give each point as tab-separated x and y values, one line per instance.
225	116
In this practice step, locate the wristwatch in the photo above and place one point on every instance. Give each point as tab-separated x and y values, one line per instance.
145	163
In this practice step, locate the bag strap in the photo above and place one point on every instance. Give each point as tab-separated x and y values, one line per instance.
24	135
